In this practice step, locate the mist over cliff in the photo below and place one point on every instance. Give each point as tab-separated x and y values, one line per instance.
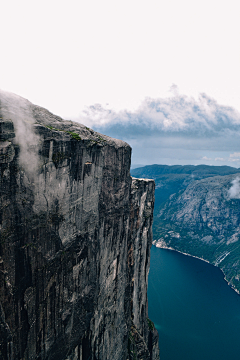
75	238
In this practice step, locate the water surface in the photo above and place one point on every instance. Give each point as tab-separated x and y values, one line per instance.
195	312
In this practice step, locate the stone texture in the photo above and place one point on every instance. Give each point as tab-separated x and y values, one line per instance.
143	335
75	238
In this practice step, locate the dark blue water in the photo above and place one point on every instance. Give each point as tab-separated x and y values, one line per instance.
195	312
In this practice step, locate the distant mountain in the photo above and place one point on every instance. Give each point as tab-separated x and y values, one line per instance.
197	170
197	211
171	179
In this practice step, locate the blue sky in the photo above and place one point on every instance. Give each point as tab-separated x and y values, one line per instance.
164	76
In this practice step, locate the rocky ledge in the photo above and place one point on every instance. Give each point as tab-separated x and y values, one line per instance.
75	238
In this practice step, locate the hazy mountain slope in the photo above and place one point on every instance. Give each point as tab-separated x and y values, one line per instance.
200	217
171	179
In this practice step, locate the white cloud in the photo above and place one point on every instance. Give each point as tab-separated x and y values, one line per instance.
178	113
19	110
234	191
235	155
64	55
178	129
233	160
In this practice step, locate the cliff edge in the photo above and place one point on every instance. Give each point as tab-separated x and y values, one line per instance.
75	238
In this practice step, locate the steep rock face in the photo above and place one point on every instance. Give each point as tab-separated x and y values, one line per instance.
141	341
75	238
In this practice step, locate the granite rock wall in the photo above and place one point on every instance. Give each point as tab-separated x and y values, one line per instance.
75	238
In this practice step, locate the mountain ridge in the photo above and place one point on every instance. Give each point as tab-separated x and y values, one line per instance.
199	215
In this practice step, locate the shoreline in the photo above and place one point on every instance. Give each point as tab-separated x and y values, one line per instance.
164	246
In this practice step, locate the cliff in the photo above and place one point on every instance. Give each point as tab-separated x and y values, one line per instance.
75	238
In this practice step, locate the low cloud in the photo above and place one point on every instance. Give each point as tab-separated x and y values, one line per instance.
234	157
205	158
176	114
174	130
234	191
19	111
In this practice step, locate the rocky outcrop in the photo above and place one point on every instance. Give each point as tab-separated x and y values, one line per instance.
143	342
75	238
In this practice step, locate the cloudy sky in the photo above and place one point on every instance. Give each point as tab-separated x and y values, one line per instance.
162	75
